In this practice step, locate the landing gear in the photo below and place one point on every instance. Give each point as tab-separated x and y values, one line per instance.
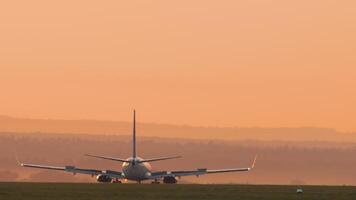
116	181
169	180
155	182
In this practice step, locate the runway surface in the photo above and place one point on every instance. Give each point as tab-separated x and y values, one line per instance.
77	191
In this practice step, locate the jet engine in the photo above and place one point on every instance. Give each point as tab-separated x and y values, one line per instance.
102	178
169	180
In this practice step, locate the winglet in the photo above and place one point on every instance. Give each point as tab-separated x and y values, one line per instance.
17	159
254	162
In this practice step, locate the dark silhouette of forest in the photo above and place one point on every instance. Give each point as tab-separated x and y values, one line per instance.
20	125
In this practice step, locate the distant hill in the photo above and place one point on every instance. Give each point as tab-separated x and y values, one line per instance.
97	127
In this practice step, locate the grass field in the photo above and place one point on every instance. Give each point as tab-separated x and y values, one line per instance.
39	191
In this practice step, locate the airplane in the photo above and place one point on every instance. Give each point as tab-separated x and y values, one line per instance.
135	168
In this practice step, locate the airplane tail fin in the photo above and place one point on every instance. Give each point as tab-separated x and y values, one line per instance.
134	135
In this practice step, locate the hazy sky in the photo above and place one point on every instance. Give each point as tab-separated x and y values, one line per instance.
212	63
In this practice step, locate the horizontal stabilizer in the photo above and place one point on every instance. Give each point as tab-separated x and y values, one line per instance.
159	159
107	158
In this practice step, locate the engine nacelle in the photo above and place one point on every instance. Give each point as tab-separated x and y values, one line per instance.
102	178
169	180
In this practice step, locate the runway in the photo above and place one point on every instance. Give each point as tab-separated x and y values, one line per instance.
95	191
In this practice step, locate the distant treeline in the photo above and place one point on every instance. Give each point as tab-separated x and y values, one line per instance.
19	125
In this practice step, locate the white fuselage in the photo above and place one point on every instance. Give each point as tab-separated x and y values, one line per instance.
135	170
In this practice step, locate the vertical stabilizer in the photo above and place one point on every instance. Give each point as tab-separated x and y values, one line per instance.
134	136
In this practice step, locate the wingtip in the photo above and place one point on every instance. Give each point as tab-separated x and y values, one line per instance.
17	160
254	162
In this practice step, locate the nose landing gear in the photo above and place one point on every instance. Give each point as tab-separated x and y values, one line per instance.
155	182
116	180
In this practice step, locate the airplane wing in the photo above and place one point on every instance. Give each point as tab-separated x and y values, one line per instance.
198	172
74	170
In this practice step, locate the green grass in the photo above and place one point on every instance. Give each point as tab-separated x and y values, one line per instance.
64	191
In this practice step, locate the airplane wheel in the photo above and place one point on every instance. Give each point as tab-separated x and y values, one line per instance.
116	181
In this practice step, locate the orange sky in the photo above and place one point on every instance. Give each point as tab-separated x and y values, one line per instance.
225	63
